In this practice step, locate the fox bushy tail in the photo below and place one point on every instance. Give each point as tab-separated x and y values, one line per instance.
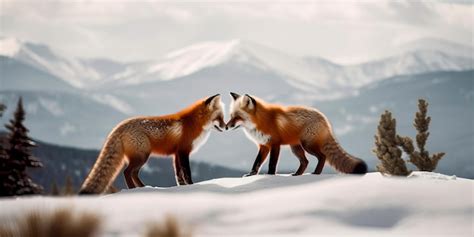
341	160
106	168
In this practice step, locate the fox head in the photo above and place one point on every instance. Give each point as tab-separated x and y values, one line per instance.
214	107
242	109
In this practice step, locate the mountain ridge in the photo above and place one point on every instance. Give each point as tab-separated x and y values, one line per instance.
303	73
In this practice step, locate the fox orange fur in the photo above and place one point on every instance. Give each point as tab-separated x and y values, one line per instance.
133	140
303	128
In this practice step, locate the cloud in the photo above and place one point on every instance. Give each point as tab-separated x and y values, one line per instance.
345	31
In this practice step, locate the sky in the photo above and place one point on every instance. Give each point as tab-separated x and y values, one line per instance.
345	31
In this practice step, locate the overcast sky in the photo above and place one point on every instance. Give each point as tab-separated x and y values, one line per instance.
342	31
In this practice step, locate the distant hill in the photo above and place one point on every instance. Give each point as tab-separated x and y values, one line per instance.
61	161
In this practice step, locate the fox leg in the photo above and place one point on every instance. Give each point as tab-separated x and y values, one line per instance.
274	155
321	160
139	164
178	171
299	153
136	161
128	177
185	167
261	156
316	151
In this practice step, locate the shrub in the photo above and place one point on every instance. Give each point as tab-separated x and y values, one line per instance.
386	147
170	228
387	144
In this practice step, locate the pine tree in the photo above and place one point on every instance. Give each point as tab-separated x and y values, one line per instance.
7	182
19	157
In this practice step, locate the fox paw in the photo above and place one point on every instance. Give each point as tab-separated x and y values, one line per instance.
250	174
296	174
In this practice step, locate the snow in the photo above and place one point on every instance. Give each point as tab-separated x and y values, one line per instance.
114	102
435	44
9	46
425	204
303	73
51	106
192	59
40	56
319	78
67	129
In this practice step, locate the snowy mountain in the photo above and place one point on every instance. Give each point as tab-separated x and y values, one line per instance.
434	44
423	204
40	56
62	117
16	75
329	80
317	77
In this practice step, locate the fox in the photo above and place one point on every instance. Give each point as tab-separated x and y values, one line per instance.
304	129
133	140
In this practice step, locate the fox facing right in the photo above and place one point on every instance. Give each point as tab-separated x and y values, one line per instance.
133	140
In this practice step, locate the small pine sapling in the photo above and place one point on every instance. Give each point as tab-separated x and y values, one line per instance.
421	158
386	148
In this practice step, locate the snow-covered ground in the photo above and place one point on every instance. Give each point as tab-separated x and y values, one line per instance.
425	204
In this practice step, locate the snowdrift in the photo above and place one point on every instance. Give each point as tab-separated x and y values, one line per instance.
424	204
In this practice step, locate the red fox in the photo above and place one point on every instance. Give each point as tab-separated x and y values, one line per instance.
176	134
304	129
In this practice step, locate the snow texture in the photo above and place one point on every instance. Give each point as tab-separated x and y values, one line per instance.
308	205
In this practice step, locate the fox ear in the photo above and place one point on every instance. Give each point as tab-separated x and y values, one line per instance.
211	101
249	101
235	96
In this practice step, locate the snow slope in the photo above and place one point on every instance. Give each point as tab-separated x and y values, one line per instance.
425	204
69	69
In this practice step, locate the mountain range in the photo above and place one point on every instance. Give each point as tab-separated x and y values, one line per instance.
76	102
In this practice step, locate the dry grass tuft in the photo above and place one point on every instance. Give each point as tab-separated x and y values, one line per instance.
60	223
170	228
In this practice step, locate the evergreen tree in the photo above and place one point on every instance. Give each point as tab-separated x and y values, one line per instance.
6	183
19	158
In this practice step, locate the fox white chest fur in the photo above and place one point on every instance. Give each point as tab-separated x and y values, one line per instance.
202	138
254	134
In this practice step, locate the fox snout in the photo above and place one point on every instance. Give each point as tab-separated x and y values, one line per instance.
233	123
219	124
